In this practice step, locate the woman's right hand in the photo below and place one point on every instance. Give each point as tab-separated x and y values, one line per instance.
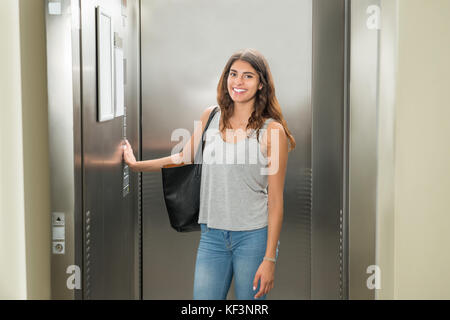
170	161
128	155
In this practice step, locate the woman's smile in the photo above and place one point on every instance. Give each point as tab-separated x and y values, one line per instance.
239	90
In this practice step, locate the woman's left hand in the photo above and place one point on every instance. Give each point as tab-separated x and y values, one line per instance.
266	274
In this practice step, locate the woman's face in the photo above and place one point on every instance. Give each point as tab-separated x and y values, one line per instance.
243	82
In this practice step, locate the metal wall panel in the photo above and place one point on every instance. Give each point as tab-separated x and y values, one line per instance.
328	265
64	112
365	31
132	55
185	45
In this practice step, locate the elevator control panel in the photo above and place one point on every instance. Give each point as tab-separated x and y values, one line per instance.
126	181
126	169
58	233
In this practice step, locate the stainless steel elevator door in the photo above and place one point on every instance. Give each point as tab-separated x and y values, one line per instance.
185	45
110	225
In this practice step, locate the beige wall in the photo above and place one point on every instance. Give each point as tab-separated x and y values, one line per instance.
422	161
24	189
12	212
414	221
35	147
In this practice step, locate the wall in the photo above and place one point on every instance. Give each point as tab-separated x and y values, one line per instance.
422	166
12	212
35	147
413	223
24	189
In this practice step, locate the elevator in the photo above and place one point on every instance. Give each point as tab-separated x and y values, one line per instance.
113	239
93	193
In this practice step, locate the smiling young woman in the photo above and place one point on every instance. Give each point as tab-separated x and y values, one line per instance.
241	206
249	71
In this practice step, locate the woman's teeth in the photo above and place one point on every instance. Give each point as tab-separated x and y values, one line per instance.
239	90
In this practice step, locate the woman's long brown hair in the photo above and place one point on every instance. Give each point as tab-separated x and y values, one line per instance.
266	103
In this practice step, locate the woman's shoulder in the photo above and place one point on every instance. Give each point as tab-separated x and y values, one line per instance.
210	109
207	112
270	122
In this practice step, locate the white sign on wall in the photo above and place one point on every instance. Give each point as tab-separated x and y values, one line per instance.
105	65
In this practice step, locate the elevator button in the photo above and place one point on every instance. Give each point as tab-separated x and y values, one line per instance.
58	247
58	219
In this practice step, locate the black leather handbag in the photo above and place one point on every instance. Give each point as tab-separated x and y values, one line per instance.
181	186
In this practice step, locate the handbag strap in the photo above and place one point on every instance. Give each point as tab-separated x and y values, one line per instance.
211	115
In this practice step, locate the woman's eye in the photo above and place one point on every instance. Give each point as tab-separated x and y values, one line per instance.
233	74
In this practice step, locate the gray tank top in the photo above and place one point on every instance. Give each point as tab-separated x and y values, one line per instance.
233	191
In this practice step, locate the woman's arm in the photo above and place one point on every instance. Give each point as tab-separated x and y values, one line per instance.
277	153
178	159
148	165
277	146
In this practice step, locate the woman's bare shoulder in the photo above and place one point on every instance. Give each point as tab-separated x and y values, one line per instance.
274	124
205	115
269	124
207	112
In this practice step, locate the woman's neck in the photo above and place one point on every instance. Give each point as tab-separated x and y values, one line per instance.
243	111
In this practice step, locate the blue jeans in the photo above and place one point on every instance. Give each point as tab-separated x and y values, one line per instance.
222	254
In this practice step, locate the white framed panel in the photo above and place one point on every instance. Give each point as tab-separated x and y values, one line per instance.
105	65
